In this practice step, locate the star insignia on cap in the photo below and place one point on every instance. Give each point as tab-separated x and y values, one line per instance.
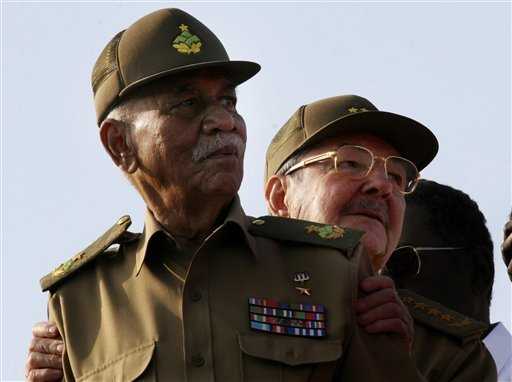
357	109
183	27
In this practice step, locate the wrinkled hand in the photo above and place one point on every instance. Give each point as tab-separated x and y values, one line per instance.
44	361
382	310
506	247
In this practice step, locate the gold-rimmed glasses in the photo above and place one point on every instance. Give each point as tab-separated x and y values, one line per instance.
406	260
357	162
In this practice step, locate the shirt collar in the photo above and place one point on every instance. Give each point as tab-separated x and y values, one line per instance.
152	228
235	217
498	343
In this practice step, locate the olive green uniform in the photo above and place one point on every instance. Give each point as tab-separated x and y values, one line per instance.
447	344
135	312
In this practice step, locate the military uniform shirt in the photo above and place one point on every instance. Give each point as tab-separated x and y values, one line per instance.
447	345
137	314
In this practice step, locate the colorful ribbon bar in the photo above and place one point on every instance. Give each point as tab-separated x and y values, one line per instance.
287	322
265	302
304	320
287	313
288	330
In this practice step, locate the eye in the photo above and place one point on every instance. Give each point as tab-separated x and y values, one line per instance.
229	102
189	102
397	178
183	105
351	165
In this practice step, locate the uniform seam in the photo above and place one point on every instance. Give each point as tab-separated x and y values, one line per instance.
121	77
115	360
302	123
354	287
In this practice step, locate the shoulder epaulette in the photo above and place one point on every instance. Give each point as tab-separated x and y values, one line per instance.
441	318
98	247
304	231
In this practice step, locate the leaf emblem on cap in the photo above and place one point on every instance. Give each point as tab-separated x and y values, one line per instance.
328	232
186	42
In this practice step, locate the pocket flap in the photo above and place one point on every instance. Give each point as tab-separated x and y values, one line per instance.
126	367
290	350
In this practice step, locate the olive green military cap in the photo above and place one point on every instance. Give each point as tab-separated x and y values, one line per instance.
349	113
165	42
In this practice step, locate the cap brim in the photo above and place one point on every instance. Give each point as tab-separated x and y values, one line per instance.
410	138
236	71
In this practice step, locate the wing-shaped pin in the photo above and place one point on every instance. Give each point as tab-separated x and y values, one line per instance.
301	277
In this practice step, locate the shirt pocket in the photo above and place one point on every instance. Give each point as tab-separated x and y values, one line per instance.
135	364
274	358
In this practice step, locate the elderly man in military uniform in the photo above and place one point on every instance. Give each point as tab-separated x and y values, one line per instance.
342	161
206	293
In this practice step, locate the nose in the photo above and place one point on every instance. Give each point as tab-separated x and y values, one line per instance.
217	118
377	182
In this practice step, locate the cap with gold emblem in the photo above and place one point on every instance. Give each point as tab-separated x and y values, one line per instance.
349	113
164	42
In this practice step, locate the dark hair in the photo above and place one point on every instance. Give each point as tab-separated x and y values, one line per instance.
456	218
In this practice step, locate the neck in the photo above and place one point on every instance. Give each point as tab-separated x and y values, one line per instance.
189	217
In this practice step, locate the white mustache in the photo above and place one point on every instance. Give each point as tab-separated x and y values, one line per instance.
208	144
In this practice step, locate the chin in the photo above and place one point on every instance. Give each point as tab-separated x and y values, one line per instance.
222	184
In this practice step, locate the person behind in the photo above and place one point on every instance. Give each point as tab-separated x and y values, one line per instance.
206	292
447	255
506	247
451	233
341	161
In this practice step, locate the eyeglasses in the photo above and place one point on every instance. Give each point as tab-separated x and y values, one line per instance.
406	260
357	162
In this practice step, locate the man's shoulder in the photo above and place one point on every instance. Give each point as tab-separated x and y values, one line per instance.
107	244
305	232
435	317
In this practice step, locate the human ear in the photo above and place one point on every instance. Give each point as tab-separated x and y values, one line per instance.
275	193
115	137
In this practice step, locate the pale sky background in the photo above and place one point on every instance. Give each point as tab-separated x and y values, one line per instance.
444	64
